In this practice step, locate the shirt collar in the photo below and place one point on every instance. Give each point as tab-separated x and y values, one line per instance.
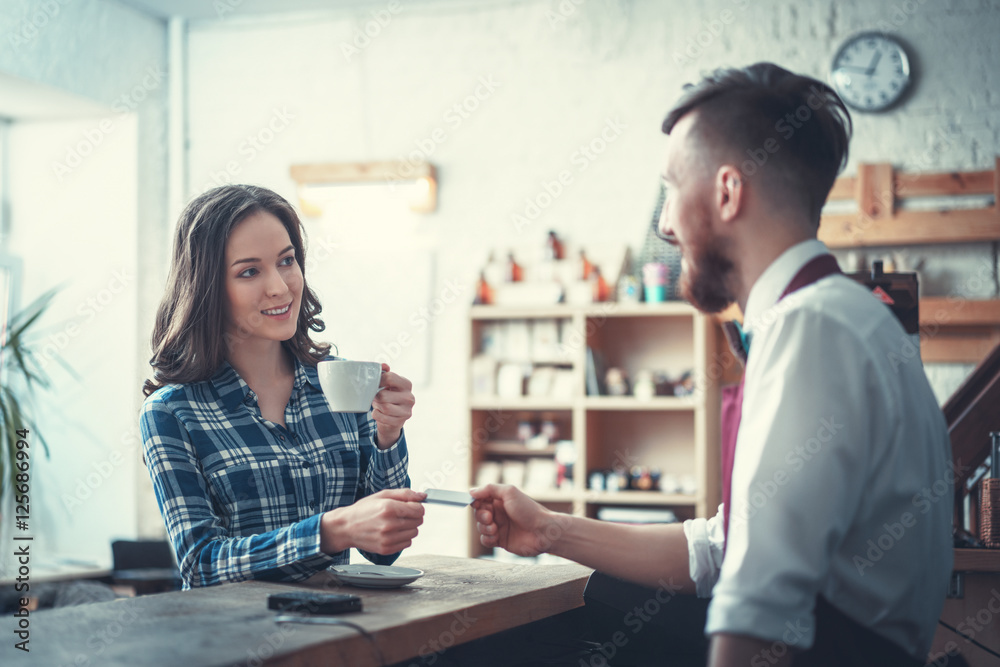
767	290
233	390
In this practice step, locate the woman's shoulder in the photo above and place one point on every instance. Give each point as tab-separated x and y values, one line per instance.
178	394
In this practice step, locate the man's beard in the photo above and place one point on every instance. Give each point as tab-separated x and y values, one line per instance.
706	284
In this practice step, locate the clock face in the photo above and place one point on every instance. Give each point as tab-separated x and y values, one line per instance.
871	71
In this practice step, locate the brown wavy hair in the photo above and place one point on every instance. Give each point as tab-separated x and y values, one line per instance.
188	338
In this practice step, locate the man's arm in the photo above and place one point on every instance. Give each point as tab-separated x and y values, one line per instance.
650	555
728	650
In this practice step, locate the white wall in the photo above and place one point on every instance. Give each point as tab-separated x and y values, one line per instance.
78	231
87	201
559	79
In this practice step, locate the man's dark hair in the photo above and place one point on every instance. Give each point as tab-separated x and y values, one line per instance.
788	131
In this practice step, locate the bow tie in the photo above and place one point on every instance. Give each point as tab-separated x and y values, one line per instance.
739	342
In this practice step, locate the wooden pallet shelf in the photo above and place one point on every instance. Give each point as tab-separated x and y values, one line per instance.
880	219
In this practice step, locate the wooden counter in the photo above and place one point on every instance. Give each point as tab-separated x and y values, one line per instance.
457	600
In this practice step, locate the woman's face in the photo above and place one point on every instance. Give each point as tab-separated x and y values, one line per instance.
263	280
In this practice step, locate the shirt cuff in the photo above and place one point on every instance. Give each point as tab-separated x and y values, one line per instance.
762	619
308	538
706	541
391	463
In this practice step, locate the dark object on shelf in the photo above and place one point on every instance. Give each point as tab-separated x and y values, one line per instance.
896	290
484	293
971	414
514	273
146	565
586	268
656	250
553	246
989	513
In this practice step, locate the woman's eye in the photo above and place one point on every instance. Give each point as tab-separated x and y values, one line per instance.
248	273
287	261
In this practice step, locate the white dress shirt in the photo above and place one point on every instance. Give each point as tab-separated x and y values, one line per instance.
842	481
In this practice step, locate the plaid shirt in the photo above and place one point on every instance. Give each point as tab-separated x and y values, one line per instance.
241	496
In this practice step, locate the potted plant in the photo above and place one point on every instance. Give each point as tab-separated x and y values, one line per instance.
20	374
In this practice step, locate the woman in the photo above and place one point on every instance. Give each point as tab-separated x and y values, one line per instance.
255	477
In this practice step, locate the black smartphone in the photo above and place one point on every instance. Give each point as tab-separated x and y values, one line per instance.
309	602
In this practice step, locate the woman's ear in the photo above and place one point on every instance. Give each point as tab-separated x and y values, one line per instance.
729	192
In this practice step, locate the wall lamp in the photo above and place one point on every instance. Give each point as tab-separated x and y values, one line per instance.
318	183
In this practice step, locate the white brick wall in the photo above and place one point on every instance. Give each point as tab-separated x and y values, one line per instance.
564	69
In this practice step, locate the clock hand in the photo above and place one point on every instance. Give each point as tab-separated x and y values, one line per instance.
874	64
862	70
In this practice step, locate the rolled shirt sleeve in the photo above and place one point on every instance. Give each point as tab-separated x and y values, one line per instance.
706	542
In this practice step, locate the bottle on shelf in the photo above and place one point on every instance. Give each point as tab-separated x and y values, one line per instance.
514	270
600	286
553	246
586	268
484	293
989	512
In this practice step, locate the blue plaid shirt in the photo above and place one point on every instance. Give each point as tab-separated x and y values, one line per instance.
241	496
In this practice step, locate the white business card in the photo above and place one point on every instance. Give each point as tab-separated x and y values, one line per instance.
444	497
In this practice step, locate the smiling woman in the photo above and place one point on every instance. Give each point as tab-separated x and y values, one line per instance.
255	476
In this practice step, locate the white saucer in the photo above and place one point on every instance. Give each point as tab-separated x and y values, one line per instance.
375	576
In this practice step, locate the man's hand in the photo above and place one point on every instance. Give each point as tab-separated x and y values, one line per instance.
392	406
384	523
507	518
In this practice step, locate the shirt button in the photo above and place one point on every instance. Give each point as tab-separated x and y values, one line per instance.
312	506
306	464
281	437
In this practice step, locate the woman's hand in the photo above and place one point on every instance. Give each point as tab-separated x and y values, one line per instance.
392	407
384	523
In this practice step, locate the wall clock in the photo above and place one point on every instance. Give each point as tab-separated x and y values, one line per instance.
871	71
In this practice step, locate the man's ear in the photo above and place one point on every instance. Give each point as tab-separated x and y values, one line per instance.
729	192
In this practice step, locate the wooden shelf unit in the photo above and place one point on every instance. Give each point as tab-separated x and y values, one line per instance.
677	434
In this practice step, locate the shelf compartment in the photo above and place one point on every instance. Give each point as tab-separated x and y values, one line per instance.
593	310
658	403
515	448
681	512
519	403
640	498
637	343
663	440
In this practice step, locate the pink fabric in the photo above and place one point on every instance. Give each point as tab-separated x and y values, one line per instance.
732	397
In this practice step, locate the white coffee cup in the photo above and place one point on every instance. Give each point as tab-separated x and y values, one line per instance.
349	386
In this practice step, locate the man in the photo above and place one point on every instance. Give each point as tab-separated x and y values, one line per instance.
832	547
